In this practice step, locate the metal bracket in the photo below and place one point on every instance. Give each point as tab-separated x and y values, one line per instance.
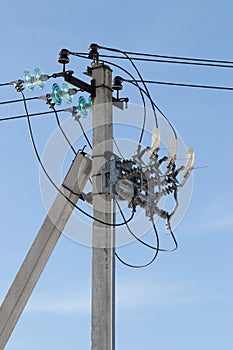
90	88
110	176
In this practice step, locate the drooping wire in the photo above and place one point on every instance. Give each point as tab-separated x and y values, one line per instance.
136	266
30	115
139	74
62	130
170	61
5	84
149	262
141	90
18	100
199	86
117	147
141	94
51	180
156	106
182	58
154	228
84	133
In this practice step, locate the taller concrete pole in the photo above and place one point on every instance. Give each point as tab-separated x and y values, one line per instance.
103	256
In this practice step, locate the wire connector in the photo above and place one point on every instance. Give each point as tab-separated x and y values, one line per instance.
18	84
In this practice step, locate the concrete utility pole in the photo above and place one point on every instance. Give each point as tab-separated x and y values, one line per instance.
103	258
42	247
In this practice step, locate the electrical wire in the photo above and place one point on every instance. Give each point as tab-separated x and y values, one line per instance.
170	61
143	242
117	147
139	74
179	57
136	84
19	100
149	262
30	115
186	85
141	90
156	106
183	58
5	84
62	130
146	90
84	134
51	180
136	266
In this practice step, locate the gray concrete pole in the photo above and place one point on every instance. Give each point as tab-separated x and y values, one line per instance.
103	257
42	247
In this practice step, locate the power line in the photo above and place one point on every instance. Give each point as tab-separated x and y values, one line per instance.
62	130
147	244
213	87
179	57
156	106
30	115
18	100
141	90
135	83
150	261
5	84
171	61
84	133
168	59
140	76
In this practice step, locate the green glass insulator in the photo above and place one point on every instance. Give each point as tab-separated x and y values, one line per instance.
40	78
56	94
66	93
82	104
29	80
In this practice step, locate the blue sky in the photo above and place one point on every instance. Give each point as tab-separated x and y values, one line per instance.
184	300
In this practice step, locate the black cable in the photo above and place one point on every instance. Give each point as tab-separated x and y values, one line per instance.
136	84
156	106
142	97
141	90
84	133
148	263
62	130
5	84
51	180
170	61
136	266
117	147
89	143
30	115
139	74
148	95
179	57
143	242
87	139
166	56
171	83
19	100
187	85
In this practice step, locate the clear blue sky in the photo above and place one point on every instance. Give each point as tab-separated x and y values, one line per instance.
184	300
